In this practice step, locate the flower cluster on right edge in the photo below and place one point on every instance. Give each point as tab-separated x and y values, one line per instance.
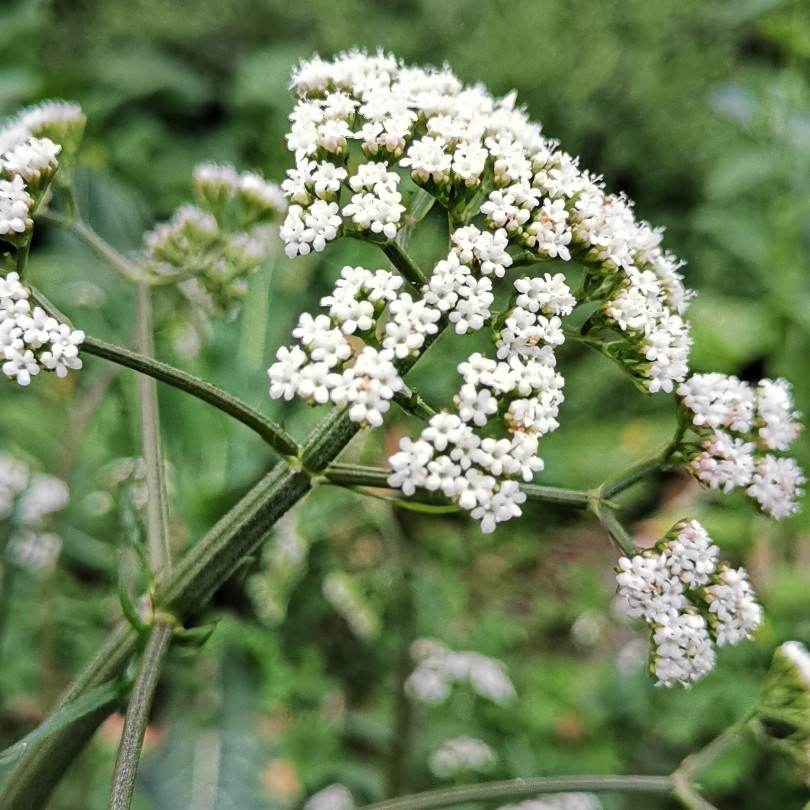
690	600
738	428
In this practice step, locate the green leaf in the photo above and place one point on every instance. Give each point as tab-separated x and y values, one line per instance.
82	706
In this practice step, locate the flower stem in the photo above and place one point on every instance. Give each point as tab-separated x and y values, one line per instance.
357	475
126	268
271	433
522	788
625	479
608	518
157	510
403	262
411	402
137	717
696	763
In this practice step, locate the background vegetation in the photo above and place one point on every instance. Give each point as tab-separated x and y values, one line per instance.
700	111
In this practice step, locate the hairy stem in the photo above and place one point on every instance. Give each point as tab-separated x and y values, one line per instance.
511	789
137	717
271	433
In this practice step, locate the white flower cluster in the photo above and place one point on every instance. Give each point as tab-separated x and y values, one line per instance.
29	144
439	668
518	393
737	425
484	160
689	599
210	249
27	500
461	755
325	367
30	339
333	797
558	801
477	155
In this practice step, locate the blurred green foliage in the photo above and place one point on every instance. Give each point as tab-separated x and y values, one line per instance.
700	111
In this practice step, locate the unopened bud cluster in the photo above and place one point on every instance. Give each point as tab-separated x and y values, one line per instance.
782	714
32	340
211	248
27	500
740	427
439	668
690	600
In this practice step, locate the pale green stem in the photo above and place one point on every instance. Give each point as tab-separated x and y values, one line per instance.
157	510
357	475
126	268
696	763
512	789
271	433
137	717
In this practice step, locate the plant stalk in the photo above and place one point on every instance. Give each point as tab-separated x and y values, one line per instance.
157	508
137	717
511	789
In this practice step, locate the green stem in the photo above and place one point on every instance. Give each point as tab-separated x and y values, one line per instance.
403	262
271	433
129	270
611	522
624	480
358	475
411	402
137	717
22	256
524	788
687	795
696	763
157	509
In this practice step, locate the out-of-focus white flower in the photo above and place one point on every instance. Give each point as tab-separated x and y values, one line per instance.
333	797
461	755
